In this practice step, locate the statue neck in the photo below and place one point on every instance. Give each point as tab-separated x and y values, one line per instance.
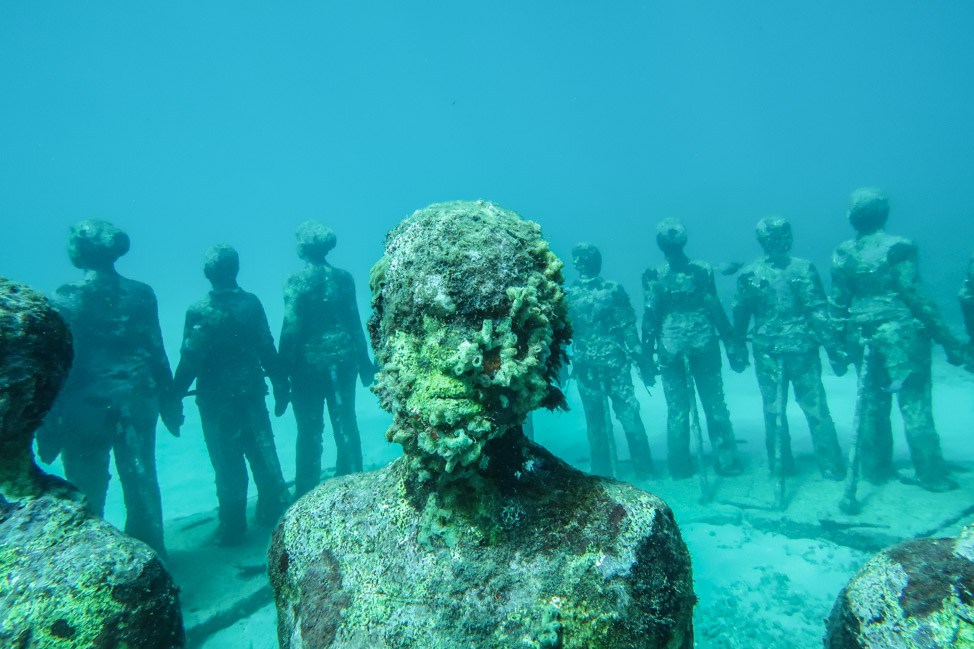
19	474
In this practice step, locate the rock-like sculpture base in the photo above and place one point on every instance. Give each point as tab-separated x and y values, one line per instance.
919	593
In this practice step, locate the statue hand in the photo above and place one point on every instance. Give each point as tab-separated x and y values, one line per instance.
282	396
737	357
839	361
171	413
367	372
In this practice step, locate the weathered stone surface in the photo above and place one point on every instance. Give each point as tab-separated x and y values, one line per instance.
916	594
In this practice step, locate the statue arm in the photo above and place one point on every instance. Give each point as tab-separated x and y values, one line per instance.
290	330
652	312
188	368
903	257
715	310
966	298
353	323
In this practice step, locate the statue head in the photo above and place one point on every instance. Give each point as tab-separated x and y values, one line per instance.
868	209
774	235
221	265
96	245
315	241
470	326
587	259
35	356
671	235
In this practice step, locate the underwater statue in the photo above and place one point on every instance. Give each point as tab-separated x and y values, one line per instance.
68	579
887	322
323	351
682	323
918	594
784	297
227	348
475	536
119	383
605	346
966	298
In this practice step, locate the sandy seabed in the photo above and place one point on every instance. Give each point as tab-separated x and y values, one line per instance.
756	588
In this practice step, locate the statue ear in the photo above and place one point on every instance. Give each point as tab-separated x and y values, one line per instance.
554	399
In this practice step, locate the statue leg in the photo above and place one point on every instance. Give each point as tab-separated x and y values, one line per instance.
135	460
677	394
261	453
222	434
341	410
308	402
806	376
876	435
626	409
911	359
705	365
593	403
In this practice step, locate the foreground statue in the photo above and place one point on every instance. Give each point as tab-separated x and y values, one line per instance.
888	322
918	594
475	537
69	579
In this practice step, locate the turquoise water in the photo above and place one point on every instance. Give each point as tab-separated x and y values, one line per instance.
189	124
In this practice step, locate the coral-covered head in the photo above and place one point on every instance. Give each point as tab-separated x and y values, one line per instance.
470	326
35	356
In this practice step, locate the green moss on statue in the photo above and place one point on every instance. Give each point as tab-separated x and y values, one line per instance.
476	536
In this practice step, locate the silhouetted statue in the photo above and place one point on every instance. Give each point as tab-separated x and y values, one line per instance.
227	348
887	322
118	384
323	350
966	298
784	297
605	347
682	322
67	579
476	536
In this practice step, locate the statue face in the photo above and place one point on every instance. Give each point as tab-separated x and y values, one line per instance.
469	325
457	385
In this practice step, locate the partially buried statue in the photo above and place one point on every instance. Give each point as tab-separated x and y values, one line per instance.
69	579
475	537
918	594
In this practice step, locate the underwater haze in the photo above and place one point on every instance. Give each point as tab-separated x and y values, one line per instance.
189	124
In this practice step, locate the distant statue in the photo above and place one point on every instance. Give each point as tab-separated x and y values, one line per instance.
966	298
69	579
476	536
784	297
606	346
683	322
887	323
918	594
227	348
323	351
118	385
